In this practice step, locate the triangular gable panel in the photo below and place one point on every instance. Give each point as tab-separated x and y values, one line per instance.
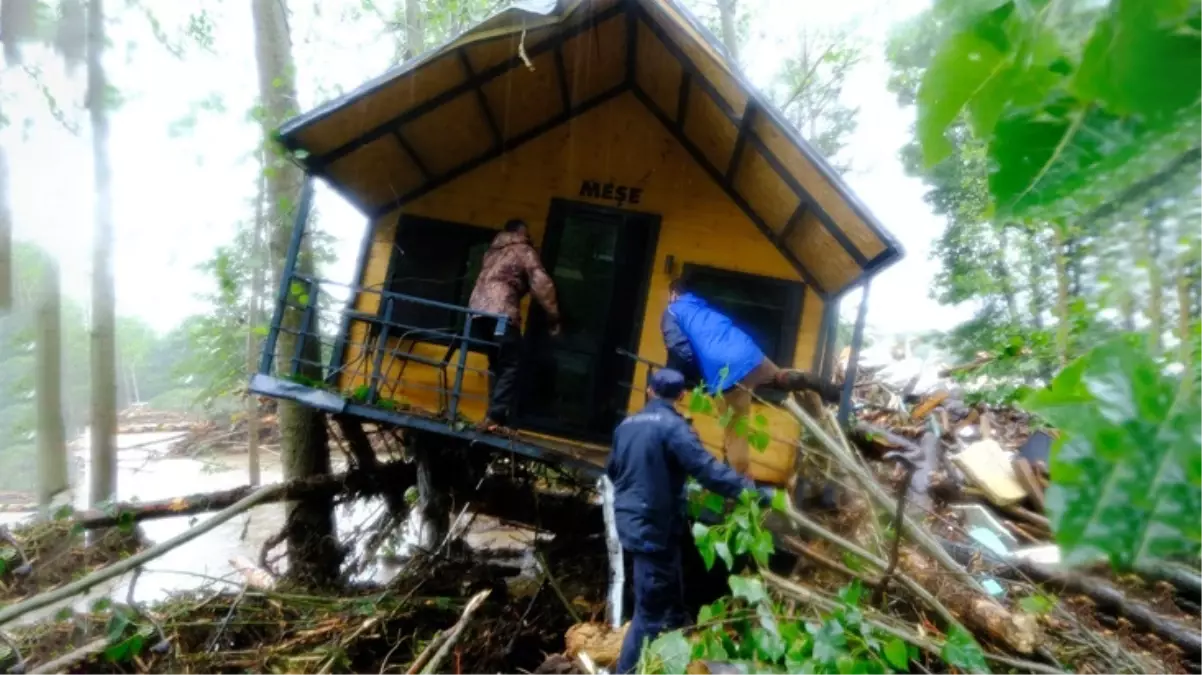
538	64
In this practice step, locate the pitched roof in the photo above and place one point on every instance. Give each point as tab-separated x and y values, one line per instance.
540	63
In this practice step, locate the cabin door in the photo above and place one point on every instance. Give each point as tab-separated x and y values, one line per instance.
576	385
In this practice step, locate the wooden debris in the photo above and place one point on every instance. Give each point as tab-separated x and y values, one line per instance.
928	404
989	467
598	640
1017	630
450	637
1026	477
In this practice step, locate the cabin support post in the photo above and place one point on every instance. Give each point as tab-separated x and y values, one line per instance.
857	339
830	339
281	301
433	489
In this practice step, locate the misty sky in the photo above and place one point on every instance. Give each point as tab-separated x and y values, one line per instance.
183	175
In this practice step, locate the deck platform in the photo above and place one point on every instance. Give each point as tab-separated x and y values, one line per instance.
585	458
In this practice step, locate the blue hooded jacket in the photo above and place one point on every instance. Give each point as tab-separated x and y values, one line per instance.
696	333
654	451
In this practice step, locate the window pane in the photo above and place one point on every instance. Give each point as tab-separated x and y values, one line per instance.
440	262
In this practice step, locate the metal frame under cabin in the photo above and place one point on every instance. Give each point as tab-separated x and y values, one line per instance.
693	82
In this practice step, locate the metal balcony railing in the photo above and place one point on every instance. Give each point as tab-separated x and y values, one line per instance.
332	340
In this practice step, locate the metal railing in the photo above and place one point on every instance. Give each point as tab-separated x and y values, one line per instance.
332	339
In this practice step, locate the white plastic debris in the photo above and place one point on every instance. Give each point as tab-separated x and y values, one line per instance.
617	572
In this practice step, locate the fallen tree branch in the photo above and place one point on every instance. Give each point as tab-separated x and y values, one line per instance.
1187	582
78	586
554	583
803	549
1104	595
882	499
62	663
1017	630
805	594
204	502
455	632
497	497
804	522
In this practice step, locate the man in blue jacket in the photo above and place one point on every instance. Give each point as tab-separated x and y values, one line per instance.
705	343
654	451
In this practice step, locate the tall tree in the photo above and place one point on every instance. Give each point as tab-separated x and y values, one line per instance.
313	553
809	88
728	12
103	422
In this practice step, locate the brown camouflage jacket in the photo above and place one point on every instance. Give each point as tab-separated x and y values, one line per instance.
510	268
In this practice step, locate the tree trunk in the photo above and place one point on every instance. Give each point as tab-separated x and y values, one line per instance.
434	502
313	552
104	354
1005	279
254	307
1062	304
6	238
727	16
1151	255
1037	301
52	438
414	33
1184	318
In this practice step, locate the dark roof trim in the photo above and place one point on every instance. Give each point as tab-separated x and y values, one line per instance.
470	82
702	161
792	134
754	105
384	79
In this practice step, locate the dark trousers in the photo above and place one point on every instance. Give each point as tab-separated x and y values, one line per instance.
504	357
658	603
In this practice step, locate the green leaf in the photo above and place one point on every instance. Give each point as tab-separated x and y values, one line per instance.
851	593
670	651
750	589
713	502
780	501
704	538
1127	468
963	652
762	547
1037	604
965	65
829	638
897	654
1138	61
722	549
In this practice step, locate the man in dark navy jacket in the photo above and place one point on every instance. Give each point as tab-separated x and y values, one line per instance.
654	451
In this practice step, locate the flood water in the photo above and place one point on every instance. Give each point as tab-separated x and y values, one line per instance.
146	474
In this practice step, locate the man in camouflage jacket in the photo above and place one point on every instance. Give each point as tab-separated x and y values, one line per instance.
510	268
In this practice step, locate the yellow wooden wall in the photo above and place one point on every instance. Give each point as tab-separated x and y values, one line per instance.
619	142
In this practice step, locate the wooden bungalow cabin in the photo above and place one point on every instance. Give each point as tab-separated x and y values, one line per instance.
619	131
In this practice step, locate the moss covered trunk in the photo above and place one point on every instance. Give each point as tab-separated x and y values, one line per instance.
313	552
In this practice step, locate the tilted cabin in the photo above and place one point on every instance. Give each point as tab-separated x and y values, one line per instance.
620	133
